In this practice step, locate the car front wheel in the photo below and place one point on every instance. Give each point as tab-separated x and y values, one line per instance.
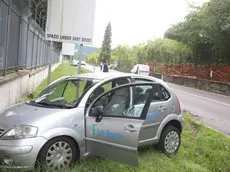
170	140
58	153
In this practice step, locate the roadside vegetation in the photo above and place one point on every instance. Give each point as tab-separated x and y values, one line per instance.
201	38
202	149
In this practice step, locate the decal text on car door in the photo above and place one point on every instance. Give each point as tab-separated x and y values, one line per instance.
106	133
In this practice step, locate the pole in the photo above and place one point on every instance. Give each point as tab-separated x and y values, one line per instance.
49	68
62	61
7	43
80	58
79	68
70	58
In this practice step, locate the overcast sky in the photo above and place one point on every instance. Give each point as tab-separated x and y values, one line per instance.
135	21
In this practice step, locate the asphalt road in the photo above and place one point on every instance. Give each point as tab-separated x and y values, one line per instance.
96	68
212	109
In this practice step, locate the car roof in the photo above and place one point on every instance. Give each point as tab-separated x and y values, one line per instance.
100	75
104	75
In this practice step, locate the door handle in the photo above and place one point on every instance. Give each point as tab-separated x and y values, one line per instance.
130	128
162	108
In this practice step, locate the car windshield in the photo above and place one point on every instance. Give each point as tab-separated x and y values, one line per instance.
64	94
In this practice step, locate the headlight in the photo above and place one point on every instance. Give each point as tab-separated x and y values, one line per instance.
20	132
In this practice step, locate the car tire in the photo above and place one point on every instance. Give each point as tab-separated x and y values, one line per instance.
170	135
62	149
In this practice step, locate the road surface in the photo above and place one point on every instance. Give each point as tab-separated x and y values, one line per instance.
96	68
212	109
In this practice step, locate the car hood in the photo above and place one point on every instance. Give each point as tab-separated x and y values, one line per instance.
23	113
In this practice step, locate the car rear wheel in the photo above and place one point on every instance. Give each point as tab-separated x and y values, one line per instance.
170	140
58	153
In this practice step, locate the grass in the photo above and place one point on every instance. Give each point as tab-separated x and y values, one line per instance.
202	149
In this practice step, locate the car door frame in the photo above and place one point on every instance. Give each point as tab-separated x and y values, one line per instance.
114	146
150	125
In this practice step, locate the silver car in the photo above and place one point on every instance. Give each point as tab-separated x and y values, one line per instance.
102	114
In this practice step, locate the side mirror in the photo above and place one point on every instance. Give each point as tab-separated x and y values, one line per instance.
98	112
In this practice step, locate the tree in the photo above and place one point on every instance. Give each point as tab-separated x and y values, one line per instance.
203	37
105	54
206	30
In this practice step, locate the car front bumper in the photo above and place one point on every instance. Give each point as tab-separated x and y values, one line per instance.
21	153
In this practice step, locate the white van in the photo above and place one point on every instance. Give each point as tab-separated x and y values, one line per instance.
141	69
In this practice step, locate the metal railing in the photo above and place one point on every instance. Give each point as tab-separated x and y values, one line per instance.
22	39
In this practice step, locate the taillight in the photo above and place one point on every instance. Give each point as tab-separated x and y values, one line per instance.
179	105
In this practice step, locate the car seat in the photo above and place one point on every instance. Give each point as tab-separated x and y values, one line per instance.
120	99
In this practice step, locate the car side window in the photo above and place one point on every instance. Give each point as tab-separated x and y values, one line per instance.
160	93
117	103
70	94
156	94
106	87
57	91
165	94
140	93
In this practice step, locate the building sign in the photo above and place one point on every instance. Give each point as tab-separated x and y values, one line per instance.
70	21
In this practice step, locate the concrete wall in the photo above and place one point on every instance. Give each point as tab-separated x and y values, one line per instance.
206	85
156	75
13	91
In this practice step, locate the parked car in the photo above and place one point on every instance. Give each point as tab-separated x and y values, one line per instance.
109	116
76	63
141	69
83	63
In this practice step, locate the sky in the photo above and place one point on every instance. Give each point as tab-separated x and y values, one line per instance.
136	21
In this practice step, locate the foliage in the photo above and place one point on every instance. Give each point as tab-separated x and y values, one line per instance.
93	58
202	38
158	52
105	53
206	30
161	51
76	56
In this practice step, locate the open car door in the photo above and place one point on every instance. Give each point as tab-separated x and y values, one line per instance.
114	120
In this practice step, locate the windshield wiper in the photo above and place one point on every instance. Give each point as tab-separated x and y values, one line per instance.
54	105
